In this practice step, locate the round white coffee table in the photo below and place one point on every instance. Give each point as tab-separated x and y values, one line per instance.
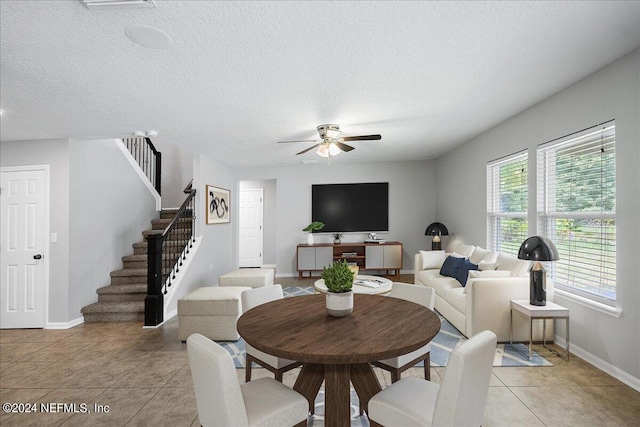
360	285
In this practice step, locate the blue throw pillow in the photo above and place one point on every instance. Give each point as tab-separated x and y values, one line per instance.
450	266
462	272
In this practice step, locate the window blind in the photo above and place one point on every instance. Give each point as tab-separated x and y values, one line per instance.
507	199
577	210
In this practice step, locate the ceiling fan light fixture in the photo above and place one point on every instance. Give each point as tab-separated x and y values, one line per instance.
328	150
329	131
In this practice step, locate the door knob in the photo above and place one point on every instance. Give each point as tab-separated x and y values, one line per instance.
38	256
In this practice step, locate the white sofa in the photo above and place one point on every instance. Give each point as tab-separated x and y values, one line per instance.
484	303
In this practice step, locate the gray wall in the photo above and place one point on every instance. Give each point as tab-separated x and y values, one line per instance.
411	203
611	93
177	171
109	208
269	215
54	153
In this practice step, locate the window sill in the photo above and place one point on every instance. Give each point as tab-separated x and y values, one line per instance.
602	308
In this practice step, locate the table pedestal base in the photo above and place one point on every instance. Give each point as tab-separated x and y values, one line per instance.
337	393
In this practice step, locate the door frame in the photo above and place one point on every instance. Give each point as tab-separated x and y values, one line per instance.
47	220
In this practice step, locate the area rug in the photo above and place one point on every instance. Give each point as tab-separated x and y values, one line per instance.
441	346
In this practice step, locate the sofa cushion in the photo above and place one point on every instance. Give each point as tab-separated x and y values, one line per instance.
464	250
485	265
423	276
442	284
479	254
462	272
432	259
457	298
489	273
517	266
450	266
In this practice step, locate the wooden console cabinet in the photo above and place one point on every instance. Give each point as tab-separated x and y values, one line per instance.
368	256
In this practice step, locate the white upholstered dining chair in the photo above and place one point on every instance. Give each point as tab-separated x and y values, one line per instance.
223	401
396	365
251	298
460	400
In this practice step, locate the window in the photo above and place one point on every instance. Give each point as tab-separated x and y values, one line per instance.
577	210
507	203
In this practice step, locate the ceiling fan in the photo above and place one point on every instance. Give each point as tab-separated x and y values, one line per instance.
331	144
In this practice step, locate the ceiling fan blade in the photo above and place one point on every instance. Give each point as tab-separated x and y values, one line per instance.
308	149
302	140
343	147
362	138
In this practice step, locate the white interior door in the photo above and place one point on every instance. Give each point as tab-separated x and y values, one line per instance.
24	195
250	223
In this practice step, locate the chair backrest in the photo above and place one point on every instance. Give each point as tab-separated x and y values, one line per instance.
218	394
414	293
256	296
463	394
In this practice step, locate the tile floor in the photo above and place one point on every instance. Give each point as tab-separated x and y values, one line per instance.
143	376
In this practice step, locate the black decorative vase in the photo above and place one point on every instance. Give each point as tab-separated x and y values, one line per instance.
538	291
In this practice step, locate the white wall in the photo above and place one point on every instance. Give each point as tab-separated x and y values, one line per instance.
110	206
54	153
411	203
611	93
177	171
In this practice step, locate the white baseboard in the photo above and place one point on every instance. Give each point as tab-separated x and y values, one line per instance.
169	316
605	366
65	325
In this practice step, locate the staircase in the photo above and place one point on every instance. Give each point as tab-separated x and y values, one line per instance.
123	299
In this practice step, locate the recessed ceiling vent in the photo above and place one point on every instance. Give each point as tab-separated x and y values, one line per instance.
118	4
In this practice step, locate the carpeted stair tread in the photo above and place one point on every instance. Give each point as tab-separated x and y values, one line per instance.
115	307
129	272
135	258
123	289
168	213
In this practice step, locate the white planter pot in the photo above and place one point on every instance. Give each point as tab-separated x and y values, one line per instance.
339	304
309	238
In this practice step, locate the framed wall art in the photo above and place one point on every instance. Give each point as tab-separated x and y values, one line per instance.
218	205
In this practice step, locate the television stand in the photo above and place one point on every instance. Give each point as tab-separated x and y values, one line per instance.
386	256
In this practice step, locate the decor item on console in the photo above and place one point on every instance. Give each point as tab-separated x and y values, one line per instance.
538	248
336	238
338	278
484	302
314	226
436	229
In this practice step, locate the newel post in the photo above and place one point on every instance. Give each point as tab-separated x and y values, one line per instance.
154	301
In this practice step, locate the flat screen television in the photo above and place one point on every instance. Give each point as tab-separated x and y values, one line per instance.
362	207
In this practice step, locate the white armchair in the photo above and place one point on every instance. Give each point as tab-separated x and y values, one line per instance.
460	400
396	365
251	298
223	401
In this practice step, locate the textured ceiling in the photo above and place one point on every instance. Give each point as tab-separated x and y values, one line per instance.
240	76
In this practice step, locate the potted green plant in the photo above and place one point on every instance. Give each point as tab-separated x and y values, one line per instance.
314	226
336	238
338	278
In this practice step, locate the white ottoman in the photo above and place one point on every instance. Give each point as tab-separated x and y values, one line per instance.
210	311
252	277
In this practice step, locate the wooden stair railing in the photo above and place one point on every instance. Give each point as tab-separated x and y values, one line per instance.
166	252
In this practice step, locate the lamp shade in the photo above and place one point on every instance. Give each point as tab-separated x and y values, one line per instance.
436	229
538	248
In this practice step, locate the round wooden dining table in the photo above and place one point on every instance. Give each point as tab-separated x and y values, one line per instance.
338	350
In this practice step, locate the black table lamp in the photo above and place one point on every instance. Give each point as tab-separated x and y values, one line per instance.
538	248
436	229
